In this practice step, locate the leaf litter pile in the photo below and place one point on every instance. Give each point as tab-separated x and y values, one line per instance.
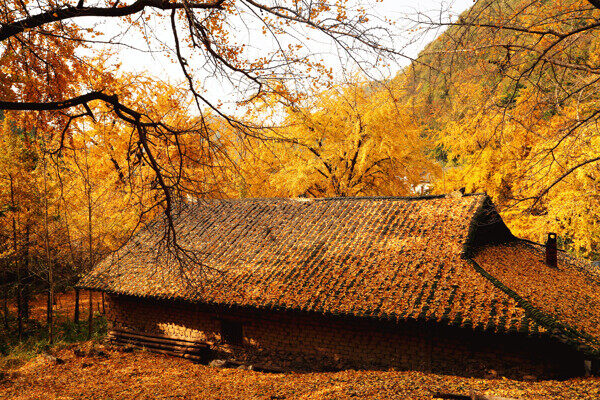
109	373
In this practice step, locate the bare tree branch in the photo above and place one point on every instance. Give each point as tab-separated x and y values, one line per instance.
69	12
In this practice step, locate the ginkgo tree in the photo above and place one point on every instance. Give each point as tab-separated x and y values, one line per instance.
355	139
254	48
65	207
18	159
512	92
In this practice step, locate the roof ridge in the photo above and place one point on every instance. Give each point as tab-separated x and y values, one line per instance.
484	214
311	199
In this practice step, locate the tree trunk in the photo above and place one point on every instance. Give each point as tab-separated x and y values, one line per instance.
19	306
5	300
103	305
50	298
88	190
48	306
17	264
71	251
48	261
90	315
76	317
26	277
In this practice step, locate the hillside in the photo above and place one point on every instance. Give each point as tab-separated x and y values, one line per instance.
509	95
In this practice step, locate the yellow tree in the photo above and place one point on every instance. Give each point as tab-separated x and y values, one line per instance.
212	41
514	88
353	140
108	191
30	210
18	158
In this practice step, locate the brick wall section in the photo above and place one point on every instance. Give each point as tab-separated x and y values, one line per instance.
314	342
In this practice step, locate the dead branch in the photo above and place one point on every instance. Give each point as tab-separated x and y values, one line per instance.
70	12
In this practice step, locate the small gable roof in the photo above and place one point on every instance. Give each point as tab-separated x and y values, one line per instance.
390	258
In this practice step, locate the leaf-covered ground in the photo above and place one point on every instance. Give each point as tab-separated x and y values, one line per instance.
114	374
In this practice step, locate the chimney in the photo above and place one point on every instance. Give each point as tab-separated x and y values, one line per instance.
551	258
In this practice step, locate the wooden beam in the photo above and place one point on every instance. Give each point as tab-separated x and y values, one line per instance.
159	339
162	344
472	396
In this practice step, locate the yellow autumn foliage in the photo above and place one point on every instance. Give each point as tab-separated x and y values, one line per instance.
509	95
352	140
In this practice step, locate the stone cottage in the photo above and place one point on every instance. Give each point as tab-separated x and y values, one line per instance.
433	283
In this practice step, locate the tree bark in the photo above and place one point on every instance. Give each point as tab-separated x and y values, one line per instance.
88	192
50	306
76	316
69	12
90	315
5	300
17	264
26	277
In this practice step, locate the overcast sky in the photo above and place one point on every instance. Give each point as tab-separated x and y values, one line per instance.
158	65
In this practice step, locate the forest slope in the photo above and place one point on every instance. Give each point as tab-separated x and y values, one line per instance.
509	94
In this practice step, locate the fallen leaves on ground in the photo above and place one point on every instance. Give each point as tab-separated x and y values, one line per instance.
143	375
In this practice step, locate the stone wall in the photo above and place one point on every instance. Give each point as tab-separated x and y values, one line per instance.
314	342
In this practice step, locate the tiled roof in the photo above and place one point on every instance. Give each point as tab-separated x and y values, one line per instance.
566	299
388	258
